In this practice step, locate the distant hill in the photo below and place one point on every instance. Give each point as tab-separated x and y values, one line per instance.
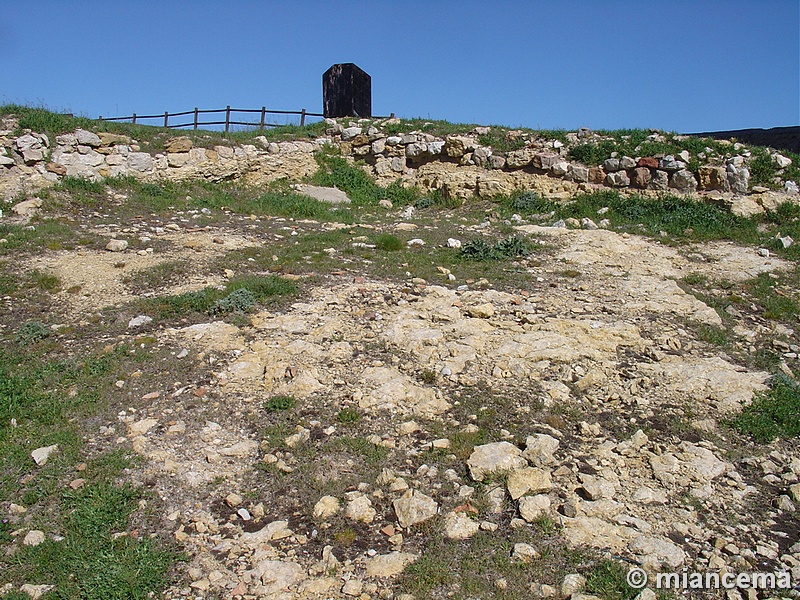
780	138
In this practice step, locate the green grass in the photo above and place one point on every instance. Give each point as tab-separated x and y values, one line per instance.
773	414
357	184
238	295
388	242
776	304
88	562
45	234
607	580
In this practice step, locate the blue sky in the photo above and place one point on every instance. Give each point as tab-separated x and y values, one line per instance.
682	65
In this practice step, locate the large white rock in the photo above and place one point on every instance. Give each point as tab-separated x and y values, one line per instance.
326	507
414	507
528	480
458	526
41	455
498	457
388	565
657	553
540	448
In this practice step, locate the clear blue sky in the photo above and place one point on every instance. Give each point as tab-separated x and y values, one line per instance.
678	65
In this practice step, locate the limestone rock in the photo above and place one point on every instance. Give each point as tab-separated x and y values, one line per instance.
87	138
41	455
525	553
532	508
33	538
540	449
657	553
414	507
178	144
117	245
529	479
278	576
389	565
360	509
459	526
326	507
494	458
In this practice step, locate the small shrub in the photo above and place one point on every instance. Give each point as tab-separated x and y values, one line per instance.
507	248
530	202
348	416
478	250
428	376
33	331
241	300
46	281
388	242
280	403
512	246
761	167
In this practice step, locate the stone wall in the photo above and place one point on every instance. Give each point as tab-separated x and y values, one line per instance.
457	166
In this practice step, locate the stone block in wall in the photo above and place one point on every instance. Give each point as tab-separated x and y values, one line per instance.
177	159
596	175
112	139
544	160
618	179
481	156
641	177
683	181
456	146
738	179
577	173
87	138
660	181
626	162
649	162
713	178
416	150
140	161
611	165
517	159
497	162
378	146
671	164
560	169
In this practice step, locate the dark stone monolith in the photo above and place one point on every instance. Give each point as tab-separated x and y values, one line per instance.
346	92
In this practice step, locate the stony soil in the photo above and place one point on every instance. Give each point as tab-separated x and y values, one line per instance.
579	410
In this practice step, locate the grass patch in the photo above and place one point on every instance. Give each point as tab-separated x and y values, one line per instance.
240	294
335	171
607	579
776	304
388	242
773	414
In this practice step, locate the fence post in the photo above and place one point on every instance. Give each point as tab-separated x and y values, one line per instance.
263	116
195	118
303	118
166	119
227	119
134	119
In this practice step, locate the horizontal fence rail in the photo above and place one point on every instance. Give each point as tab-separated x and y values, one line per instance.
227	111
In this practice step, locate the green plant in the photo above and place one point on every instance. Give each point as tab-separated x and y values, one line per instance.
388	242
608	580
348	416
280	403
46	281
241	300
33	331
761	167
428	376
773	414
479	249
530	202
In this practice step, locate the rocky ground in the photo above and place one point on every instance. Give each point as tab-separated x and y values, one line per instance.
377	431
400	421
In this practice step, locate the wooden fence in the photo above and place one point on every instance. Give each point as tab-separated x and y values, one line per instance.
227	112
